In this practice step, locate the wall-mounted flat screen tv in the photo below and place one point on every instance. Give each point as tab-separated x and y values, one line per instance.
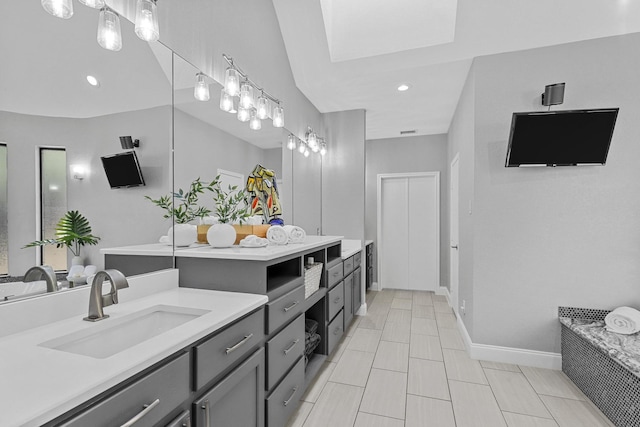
123	170
561	138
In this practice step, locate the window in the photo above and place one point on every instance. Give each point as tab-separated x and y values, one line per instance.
53	203
4	212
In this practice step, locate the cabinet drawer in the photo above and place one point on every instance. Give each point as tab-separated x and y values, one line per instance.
334	332
182	420
357	259
216	354
348	301
336	300
284	399
283	309
348	265
168	386
283	350
334	275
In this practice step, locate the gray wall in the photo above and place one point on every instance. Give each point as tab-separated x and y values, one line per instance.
343	174
121	216
545	237
409	154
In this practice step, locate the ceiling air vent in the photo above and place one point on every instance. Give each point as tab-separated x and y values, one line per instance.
407	132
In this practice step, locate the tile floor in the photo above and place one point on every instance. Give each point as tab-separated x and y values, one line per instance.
404	365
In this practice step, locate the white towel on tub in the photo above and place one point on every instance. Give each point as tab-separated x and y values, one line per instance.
623	320
296	234
277	235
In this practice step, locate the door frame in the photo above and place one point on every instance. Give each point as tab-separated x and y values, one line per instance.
382	176
455	296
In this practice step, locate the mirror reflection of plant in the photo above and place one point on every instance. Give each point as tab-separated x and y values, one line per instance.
73	231
183	205
231	205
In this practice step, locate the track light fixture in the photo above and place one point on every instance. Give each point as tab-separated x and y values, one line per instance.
238	84
109	35
58	8
291	142
147	20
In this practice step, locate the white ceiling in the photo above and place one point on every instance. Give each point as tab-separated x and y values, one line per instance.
353	54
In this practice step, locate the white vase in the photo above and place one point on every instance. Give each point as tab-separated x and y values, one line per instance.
185	234
221	235
77	260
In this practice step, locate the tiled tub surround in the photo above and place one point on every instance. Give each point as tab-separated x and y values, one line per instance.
604	365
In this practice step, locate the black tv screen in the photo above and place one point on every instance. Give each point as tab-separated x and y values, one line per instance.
561	138
123	170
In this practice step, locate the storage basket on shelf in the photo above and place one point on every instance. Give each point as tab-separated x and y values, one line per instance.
312	274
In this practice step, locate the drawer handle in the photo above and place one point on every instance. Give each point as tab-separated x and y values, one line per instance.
187	423
338	329
337	300
293	393
293	344
145	411
237	346
207	415
291	306
335	274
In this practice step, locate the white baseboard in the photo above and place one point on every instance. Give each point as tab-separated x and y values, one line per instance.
362	311
443	290
375	286
514	356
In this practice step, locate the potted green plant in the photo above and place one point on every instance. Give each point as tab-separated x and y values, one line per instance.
73	231
231	208
182	206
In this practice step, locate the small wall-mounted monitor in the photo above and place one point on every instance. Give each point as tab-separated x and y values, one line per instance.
123	170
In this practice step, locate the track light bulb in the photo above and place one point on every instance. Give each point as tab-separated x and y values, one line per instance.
262	107
96	4
291	142
278	117
226	101
58	8
201	89
147	20
302	147
255	123
243	114
109	35
323	149
246	95
232	82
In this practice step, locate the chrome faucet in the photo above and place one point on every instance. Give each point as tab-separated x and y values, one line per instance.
97	301
42	272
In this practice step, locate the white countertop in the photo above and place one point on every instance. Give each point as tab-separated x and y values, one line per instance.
38	384
266	253
350	247
151	249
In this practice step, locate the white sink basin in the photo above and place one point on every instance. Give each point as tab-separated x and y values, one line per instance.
111	336
9	291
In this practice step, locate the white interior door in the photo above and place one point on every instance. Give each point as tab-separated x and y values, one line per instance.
409	231
454	232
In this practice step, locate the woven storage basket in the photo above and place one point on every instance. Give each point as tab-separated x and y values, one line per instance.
312	274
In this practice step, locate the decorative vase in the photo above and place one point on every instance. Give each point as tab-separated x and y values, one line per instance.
221	235
185	234
202	232
77	260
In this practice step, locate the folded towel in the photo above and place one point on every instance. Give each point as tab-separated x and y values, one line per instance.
277	235
296	234
623	320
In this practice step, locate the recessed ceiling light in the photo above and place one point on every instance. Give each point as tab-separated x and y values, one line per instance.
403	87
93	81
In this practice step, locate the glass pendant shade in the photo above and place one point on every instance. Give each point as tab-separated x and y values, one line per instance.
323	149
232	82
306	152
278	117
96	4
262	107
109	36
226	101
243	114
59	8
255	123
147	20
312	141
201	89
302	148
291	142
234	104
246	95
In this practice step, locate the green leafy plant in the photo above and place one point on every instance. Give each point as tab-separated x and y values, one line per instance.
73	231
231	205
183	205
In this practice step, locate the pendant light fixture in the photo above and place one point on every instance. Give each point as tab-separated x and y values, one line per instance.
147	20
58	8
291	142
262	107
323	148
243	114
306	152
96	4
109	36
232	81
246	95
278	117
201	89
226	101
302	147
255	123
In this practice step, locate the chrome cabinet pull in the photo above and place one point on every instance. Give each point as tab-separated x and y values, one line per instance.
293	393
293	344
291	306
187	423
454	246
242	341
207	415
145	411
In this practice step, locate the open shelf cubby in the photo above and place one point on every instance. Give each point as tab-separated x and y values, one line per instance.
334	254
284	274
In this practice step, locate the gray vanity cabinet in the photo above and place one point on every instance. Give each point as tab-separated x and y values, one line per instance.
237	400
357	291
348	300
182	420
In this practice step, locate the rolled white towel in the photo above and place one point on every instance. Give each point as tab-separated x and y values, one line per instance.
623	320
296	234
277	235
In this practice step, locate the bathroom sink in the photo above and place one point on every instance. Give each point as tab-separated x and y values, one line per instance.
115	335
21	289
